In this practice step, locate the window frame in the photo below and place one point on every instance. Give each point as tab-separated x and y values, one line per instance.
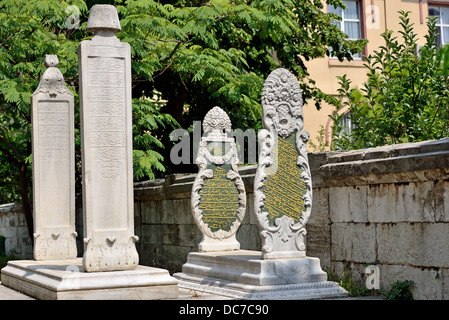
362	17
439	23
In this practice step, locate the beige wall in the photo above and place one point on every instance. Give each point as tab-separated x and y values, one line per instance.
325	71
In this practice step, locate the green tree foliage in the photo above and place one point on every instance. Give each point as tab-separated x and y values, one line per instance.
187	56
406	96
28	31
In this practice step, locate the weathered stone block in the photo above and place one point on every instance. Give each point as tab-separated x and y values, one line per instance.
9	231
353	242
428	282
441	195
400	202
160	211
182	213
189	235
444	274
348	204
418	244
151	211
248	236
318	242
320	207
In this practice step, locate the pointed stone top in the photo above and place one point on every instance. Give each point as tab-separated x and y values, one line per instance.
52	81
103	17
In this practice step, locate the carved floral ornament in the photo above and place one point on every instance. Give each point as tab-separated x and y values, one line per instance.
217	123
282	103
283	236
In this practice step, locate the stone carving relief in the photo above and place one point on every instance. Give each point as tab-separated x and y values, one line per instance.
282	186
111	255
54	245
52	81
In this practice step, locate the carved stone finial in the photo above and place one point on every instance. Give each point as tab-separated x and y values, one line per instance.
103	17
52	82
282	103
217	122
51	60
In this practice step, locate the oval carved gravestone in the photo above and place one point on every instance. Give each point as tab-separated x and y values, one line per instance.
218	194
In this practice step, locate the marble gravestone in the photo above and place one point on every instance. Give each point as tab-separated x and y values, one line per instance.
218	194
53	166
106	146
283	184
282	205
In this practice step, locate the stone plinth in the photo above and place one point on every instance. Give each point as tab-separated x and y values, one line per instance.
244	274
66	280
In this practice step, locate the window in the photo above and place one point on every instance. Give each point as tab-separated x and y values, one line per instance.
350	21
442	13
346	124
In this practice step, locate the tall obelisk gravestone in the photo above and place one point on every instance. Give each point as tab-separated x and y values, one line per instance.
53	166
106	132
283	200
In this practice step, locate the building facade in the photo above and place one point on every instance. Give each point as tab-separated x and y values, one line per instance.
365	19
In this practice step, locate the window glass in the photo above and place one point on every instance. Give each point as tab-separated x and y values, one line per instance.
442	23
444	14
352	10
352	29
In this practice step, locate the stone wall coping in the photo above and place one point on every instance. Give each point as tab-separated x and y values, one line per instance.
389	151
10	207
407	162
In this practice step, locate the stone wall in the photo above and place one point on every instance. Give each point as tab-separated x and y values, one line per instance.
13	227
385	206
389	207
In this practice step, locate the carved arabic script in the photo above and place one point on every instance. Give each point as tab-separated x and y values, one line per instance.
284	190
219	201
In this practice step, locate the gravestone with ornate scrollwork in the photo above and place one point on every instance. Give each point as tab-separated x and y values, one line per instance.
283	184
283	202
218	195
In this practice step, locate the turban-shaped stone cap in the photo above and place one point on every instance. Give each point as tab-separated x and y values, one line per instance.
103	17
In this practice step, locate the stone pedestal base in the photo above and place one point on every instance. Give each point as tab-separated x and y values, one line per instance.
243	274
66	280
